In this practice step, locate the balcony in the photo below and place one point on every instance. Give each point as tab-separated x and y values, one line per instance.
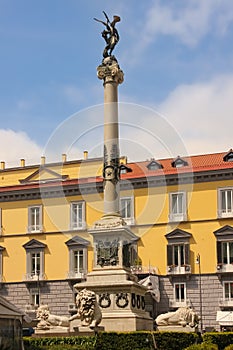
129	221
72	275
178	217
138	269
78	227
176	303
224	268
225	214
178	270
34	277
225	302
35	228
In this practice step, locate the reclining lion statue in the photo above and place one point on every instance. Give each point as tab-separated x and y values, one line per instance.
88	310
47	320
184	316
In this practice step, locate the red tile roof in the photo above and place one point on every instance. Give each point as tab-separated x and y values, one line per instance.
196	164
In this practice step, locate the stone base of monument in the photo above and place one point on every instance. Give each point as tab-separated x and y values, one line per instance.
177	328
52	332
120	298
77	329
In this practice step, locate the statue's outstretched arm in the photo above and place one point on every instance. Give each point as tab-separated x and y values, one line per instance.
98	20
106	16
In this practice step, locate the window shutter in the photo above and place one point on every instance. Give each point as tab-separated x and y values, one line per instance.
186	252
169	255
219	252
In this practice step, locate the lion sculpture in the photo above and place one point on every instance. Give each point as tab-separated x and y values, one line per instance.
88	310
184	316
47	320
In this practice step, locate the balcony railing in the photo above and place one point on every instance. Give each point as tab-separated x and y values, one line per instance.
225	214
175	303
33	277
224	268
76	226
179	270
177	217
35	228
138	269
225	302
76	275
130	221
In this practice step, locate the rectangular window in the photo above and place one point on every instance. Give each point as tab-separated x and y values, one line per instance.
127	209
178	255
177	206
35	263
78	260
227	252
180	292
78	216
225	202
35	219
77	263
228	290
35	297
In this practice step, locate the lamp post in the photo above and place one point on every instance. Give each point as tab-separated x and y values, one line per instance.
198	261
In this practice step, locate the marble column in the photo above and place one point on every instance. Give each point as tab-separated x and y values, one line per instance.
111	74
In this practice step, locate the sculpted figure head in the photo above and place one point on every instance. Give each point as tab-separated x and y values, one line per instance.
88	308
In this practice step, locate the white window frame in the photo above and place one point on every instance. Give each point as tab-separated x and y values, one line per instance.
78	224
225	213
35	275
35	297
179	215
179	254
179	286
228	255
129	218
229	298
79	273
35	227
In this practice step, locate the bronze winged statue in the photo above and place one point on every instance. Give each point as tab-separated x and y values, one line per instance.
110	34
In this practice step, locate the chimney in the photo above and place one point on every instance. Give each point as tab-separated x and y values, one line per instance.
85	155
2	165
64	158
42	160
22	162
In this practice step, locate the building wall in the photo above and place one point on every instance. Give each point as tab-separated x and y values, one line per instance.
151	214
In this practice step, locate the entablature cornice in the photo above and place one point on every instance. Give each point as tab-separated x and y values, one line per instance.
62	189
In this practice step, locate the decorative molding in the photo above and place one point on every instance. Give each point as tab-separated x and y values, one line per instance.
122	300
36	191
104	300
110	71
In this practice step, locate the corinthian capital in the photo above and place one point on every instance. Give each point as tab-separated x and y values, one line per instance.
110	71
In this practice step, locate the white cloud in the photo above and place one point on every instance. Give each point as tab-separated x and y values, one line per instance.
16	145
189	23
202	114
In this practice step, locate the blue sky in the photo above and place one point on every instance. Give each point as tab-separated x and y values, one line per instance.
177	57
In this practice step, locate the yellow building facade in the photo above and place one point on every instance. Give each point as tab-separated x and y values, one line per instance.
180	209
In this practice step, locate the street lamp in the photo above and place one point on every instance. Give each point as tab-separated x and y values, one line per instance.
198	261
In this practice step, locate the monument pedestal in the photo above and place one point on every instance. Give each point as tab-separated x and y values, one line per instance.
120	297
